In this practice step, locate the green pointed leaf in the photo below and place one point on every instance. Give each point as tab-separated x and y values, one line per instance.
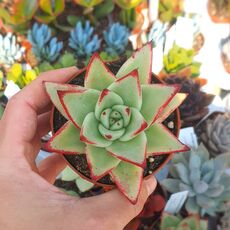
172	185
129	89
160	141
83	185
107	99
136	125
68	174
78	104
124	111
110	134
183	172
66	140
133	151
98	75
169	221
100	161
155	98
104	118
173	104
90	133
140	60
53	88
128	179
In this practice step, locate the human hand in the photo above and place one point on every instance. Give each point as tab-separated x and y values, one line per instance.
28	199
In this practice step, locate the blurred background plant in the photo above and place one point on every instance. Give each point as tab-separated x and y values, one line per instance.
205	179
129	13
172	222
10	50
49	10
214	133
157	33
195	106
45	47
116	39
180	61
169	10
21	75
17	14
83	41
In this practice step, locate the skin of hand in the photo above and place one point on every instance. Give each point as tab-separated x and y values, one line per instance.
28	200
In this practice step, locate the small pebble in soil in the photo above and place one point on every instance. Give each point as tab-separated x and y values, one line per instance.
171	125
151	159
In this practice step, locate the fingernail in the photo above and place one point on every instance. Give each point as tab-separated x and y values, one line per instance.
150	184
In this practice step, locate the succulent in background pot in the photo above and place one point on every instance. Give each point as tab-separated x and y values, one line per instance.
205	179
214	133
195	106
113	125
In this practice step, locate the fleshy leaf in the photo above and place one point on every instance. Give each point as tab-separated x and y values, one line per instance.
136	125
169	221
128	179
173	104
110	134
155	98
83	185
133	151
106	100
160	141
172	185
100	161
90	133
52	90
104	118
98	75
129	89
68	174
124	111
140	60
78	104
66	140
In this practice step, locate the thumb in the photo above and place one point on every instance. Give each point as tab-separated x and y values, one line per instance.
113	210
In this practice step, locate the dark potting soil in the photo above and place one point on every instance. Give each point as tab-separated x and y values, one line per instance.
79	161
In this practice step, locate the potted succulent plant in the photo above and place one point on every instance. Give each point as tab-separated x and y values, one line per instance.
193	222
107	123
219	10
214	133
205	180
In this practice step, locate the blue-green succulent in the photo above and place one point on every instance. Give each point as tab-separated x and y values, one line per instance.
116	38
157	32
205	179
44	46
82	40
10	50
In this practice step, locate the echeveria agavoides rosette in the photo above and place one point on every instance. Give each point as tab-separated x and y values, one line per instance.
116	120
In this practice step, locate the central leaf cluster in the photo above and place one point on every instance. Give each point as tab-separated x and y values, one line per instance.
114	120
